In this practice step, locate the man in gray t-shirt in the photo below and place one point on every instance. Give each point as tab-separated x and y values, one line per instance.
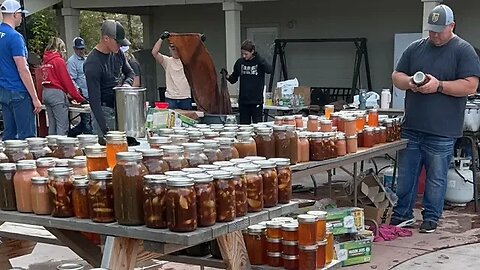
434	114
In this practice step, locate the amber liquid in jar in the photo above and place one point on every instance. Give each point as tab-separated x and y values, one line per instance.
303	148
270	186
373	118
329	250
154	205
97	164
274	245
312	123
80	200
290	262
245	145
265	143
284	183
225	199
112	149
206	207
352	144
256	244
274	229
274	259
290	247
341	145
7	190
360	122
307	257
321	254
307	230
40	196
290	232
282	142
240	181
100	192
60	185
369	137
181	205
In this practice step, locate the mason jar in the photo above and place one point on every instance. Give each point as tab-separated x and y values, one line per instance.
153	160
17	150
194	154
212	151
60	184
174	156
38	147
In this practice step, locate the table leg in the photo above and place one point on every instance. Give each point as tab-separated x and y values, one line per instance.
329	173
475	165
234	251
394	172
355	195
120	253
314	181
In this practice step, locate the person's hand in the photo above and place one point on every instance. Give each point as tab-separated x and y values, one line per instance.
165	35
431	86
74	102
37	105
126	85
412	86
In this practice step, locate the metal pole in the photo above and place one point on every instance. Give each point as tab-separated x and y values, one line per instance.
23	26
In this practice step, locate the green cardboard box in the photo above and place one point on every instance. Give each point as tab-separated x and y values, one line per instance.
354	252
346	220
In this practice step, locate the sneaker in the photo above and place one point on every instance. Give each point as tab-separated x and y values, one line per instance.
428	227
403	223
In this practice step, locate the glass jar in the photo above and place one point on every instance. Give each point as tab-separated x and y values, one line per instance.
17	150
293	144
254	186
61	162
179	139
290	262
350	126
303	147
156	142
278	120
22	183
329	145
212	151
43	164
153	160
100	192
282	142
312	123
389	124
383	134
307	230
376	135
274	259
369	137
256	244
194	136
299	121
38	147
67	148
289	120
173	155
60	183
274	231
360	121
128	188
154	204
321	223
7	190
326	125
352	144
245	144
341	145
240	180
316	146
40	196
79	165
85	140
181	205
224	194
3	157
284	174
265	142
329	249
116	143
335	116
52	141
205	196
307	257
290	232
341	123
321	254
81	208
373	118
270	182
290	247
96	158
227	147
194	154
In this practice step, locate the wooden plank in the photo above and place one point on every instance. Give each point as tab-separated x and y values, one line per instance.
79	244
11	248
123	253
234	252
28	233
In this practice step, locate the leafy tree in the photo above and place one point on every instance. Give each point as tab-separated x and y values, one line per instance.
40	28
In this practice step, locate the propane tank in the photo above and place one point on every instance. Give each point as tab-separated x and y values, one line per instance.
459	183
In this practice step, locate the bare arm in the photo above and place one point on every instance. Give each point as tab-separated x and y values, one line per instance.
457	88
26	77
156	51
403	81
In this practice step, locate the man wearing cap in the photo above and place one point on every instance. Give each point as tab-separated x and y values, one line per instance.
75	70
434	114
18	97
103	71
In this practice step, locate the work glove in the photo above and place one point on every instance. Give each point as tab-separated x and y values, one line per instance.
165	35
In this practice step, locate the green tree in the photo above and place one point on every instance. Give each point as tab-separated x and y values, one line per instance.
40	28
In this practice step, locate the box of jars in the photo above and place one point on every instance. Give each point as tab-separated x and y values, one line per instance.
346	220
354	252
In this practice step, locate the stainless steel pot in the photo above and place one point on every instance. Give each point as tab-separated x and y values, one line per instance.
472	118
131	110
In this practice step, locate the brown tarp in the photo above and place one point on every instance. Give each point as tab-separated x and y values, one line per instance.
201	74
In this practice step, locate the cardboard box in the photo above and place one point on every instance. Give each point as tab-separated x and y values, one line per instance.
354	252
157	119
346	220
380	215
304	92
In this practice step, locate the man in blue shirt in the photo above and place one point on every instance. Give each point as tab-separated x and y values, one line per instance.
18	97
75	70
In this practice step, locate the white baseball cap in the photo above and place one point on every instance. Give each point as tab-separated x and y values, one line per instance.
11	6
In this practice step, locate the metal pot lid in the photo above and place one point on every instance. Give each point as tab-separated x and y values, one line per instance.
150	152
280	161
5	167
179	182
175	174
155	178
193	170
201	177
100	175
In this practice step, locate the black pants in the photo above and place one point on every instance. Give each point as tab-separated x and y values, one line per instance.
250	113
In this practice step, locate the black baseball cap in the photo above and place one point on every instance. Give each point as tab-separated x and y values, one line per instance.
115	30
78	43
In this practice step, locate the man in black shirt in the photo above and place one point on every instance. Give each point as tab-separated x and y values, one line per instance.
103	71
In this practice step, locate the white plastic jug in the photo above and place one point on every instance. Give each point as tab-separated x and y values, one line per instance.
385	99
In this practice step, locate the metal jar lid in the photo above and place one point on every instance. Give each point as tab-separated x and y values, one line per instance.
211	134
244	134
254	158
100	175
95	149
313	117
6	167
67	141
308	248
290	227
325	122
193	170
249	167
70	266
256	229
322	243
129	156
228	134
340	136
192	146
220	175
165	131
234	170
265	164
179	137
181	131
15	144
115	137
223	163
155	178
239	160
52	139
306	218
37	180
265	131
201	177
201	125
231	128
274	224
209	143
26	165
175	174
209	167
284	219
195	134
289	128
225	141
274	254
349	119
60	171
279	128
87	138
150	152
280	161
76	162
179	182
316	135
319	214
80	183
289	243
172	149
61	162
352	137
287	257
159	140
36	141
80	178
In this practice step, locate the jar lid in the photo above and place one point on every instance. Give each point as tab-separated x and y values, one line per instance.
245	129
289	257
216	125
352	137
244	134
274	254
52	139
100	175
316	135
383	128
211	134
201	177
80	178
340	135
280	161
67	141
26	165
279	128
5	167
303	134
165	131
39	180
373	110
220	174
209	167
159	140
172	149
275	224
289	243
265	131
255	158
205	129
325	122
289	117
182	131
239	160
15	143
76	162
349	118
278	117
87	138
179	182
36	141
232	128
257	228
80	183
193	170
70	266
54	172
175	174
225	140
231	125
289	128
290	227
284	219
201	125
195	134
234	170
319	214
209	143
192	146
150	152
322	243
309	248
223	163
129	156
249	167
265	164
306	218
313	117
329	226
228	134
95	149
155	178
61	162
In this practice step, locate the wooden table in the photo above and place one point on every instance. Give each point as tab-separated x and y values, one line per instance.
125	243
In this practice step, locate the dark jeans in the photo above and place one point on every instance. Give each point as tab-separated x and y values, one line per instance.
433	152
182	104
18	117
84	127
250	113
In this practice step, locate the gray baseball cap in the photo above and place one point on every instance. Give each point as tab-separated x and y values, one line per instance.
439	18
115	30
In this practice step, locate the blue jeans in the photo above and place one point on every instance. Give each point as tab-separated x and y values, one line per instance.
18	116
110	120
433	152
182	104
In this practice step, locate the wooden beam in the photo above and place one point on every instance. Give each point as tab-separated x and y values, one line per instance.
79	244
233	251
121	253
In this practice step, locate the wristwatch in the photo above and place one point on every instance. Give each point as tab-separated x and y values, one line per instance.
440	87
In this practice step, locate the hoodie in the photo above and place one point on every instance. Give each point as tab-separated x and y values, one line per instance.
55	75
